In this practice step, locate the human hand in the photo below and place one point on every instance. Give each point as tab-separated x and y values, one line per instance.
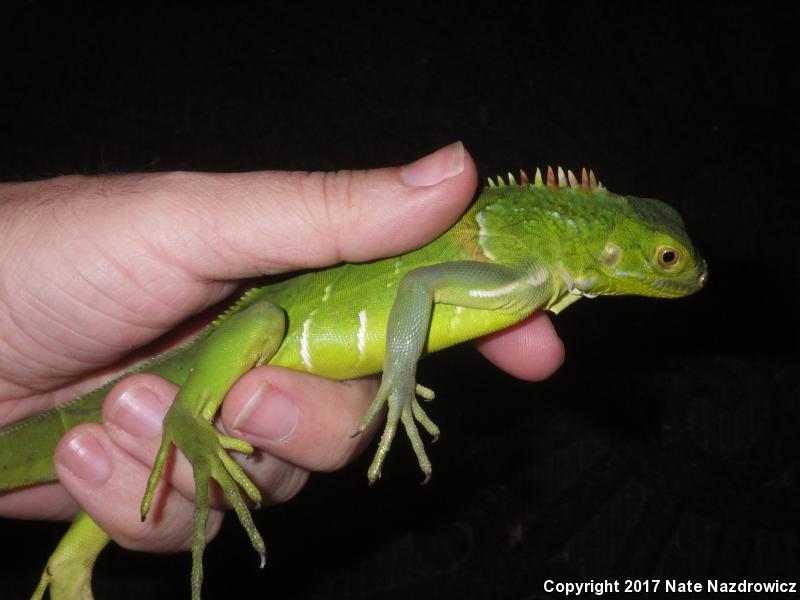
91	268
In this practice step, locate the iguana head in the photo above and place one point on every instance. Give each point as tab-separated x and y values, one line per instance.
596	241
647	253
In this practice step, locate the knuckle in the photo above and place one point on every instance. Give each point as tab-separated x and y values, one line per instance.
345	448
170	534
331	206
285	483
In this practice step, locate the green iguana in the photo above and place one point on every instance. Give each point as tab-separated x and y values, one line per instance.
521	247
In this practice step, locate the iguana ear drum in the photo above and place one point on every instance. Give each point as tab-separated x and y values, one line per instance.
611	254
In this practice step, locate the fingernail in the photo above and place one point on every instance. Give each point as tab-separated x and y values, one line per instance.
443	164
269	414
139	412
87	459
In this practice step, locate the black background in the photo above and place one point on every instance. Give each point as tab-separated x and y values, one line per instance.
666	447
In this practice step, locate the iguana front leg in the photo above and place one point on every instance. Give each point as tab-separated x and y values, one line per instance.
489	286
242	341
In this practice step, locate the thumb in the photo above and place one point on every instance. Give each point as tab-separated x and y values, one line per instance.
242	225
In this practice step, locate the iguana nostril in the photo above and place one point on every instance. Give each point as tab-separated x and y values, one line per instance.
703	279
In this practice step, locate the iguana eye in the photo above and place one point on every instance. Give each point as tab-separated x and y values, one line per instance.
668	257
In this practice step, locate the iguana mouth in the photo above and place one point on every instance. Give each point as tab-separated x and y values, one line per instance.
683	286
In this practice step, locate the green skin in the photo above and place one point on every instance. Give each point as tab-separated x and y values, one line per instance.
518	249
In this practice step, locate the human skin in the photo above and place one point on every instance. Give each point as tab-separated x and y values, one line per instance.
94	267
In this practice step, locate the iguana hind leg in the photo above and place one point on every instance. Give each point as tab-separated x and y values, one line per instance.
239	343
68	574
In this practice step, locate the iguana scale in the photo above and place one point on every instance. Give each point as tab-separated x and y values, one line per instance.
521	247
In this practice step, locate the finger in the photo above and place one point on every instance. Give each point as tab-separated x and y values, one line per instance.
49	501
304	419
241	225
238	225
108	483
133	414
530	350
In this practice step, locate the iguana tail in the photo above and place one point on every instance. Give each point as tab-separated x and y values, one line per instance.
26	447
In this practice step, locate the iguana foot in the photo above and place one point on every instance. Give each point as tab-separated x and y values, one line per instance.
207	451
403	407
68	574
65	581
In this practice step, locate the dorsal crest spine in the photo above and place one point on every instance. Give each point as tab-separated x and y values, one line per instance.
243	300
557	179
